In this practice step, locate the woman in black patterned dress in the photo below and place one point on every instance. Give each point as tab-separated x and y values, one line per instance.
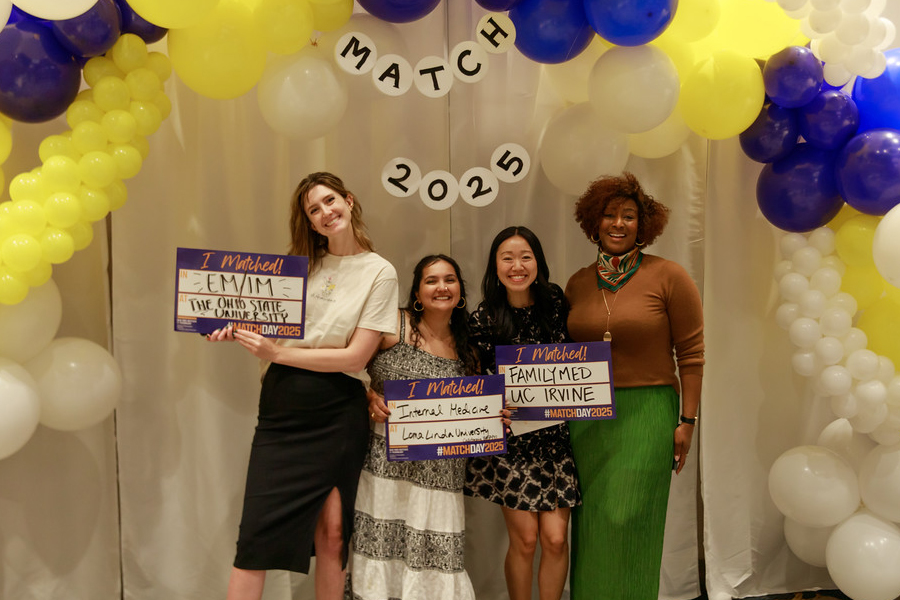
534	482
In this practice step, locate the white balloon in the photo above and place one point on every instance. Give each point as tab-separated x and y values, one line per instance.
791	4
871	392
851	7
790	243
836	74
862	555
813	486
886	434
806	260
805	362
300	95
569	78
886	247
782	267
893	391
855	339
862	364
55	10
886	370
824	21
839	437
844	406
878	67
835	380
577	149
804	332
844	301
79	382
861	60
792	286
807	543
633	88
822	239
786	314
890	33
824	4
812	304
27	327
835	263
831	49
20	407
829	349
835	321
879	482
869	417
853	28
826	280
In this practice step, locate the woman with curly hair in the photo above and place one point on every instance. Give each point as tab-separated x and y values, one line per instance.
649	309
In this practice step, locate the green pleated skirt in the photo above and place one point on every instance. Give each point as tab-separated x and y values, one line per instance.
624	467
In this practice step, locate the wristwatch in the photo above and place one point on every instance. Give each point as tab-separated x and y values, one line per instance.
688	420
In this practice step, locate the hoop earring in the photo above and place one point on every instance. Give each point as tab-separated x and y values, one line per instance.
640	244
596	240
463	305
418	308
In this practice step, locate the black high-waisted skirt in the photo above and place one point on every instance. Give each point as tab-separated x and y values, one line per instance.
311	438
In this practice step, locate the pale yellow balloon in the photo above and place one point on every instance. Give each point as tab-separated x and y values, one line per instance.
853	240
173	14
681	53
722	96
881	323
663	140
751	28
570	78
331	14
286	25
863	283
694	19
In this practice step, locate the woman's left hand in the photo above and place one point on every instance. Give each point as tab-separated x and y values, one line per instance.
259	346
683	434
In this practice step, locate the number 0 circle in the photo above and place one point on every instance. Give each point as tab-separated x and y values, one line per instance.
439	190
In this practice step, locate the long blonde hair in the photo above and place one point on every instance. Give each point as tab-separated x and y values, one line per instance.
305	241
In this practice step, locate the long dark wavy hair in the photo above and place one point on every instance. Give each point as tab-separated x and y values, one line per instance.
459	318
495	300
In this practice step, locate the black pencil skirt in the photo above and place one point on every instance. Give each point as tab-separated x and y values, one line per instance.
311	438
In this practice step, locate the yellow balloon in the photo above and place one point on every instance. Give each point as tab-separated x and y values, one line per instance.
62	210
163	103
881	323
111	93
722	96
60	174
117	193
681	53
863	283
57	144
6	142
129	52
172	14
662	140
853	241
141	145
13	289
57	245
119	125
94	203
21	252
83	110
97	169
143	83
89	136
28	186
35	277
82	235
751	28
128	160
160	64
99	67
846	213
8	225
147	117
694	19
221	56
286	25
28	216
329	15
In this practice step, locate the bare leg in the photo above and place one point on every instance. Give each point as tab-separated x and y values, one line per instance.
522	527
554	533
245	584
329	577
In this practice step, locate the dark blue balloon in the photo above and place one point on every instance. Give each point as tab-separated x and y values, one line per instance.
91	33
772	135
17	14
798	193
497	5
38	77
829	120
793	76
551	31
868	171
878	99
398	11
630	22
136	24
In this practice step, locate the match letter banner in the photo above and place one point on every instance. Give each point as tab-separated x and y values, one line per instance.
444	418
265	293
565	382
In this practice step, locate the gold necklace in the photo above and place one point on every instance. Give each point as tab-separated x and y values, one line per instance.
607	336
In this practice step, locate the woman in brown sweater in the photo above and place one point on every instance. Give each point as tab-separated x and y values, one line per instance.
650	311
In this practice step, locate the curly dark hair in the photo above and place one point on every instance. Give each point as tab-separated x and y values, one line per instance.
590	207
459	318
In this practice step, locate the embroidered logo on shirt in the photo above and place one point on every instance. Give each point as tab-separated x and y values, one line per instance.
327	289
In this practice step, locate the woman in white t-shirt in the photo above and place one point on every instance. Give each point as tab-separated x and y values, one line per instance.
312	434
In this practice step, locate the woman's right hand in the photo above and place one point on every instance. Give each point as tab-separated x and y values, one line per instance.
378	410
225	334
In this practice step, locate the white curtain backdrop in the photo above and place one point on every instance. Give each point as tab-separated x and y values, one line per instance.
145	506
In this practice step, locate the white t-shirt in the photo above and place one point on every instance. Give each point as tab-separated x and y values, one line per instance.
346	292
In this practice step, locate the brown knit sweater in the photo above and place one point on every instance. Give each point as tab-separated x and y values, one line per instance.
656	311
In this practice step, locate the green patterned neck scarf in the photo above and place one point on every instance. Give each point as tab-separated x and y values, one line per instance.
614	271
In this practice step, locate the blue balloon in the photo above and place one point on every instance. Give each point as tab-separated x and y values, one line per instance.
497	5
38	77
793	76
829	120
878	99
399	11
868	171
798	193
551	31
772	135
91	33
630	22
136	24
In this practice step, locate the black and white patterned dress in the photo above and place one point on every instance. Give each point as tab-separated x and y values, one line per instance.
409	528
537	473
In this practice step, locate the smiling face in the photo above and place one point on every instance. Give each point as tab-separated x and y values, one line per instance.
439	288
328	212
619	227
516	269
